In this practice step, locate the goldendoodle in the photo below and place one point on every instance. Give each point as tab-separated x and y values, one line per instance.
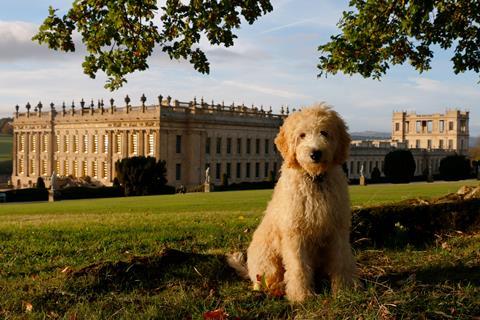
306	227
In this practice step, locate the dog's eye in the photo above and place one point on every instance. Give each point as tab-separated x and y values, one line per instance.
324	133
302	135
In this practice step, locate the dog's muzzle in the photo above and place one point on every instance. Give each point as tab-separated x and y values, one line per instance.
316	156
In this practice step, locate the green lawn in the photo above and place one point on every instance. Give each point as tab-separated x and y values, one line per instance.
40	240
6	142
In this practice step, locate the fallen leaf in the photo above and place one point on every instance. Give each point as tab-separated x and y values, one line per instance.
218	314
28	306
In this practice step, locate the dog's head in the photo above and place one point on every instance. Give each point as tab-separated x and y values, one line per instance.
313	140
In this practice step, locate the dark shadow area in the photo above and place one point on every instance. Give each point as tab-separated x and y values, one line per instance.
151	273
433	275
402	224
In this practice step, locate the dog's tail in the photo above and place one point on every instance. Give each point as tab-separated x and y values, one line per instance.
237	262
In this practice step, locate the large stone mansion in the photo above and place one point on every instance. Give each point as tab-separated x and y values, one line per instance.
88	140
235	140
448	131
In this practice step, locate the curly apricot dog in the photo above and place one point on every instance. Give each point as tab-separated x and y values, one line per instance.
306	226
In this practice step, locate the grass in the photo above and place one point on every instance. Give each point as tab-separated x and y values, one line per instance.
105	258
6	143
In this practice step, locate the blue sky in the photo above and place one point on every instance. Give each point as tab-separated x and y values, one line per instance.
272	63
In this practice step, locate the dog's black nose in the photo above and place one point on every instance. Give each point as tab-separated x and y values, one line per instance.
316	155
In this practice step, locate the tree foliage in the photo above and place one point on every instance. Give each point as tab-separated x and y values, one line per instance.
376	174
120	35
454	167
378	33
141	175
399	166
474	152
6	126
40	183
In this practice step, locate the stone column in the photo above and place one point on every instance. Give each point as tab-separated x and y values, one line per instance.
141	142
26	160
110	164
51	152
126	137
157	150
38	154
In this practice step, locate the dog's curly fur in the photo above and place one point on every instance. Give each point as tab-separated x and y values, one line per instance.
306	226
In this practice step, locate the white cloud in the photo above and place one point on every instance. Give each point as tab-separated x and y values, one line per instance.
425	84
274	91
16	44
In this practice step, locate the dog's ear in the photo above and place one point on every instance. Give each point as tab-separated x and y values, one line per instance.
286	149
343	143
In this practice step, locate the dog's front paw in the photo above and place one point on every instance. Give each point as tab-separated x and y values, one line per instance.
298	294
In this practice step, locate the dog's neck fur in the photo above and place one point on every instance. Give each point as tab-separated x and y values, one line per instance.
318	179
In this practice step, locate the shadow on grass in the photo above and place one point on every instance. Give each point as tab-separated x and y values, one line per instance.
152	273
436	275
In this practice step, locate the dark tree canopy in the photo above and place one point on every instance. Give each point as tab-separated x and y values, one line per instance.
40	183
120	35
399	166
141	175
454	167
378	33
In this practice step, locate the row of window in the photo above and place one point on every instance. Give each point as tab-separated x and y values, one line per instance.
426	126
441	144
72	143
75	168
33	143
368	166
241	170
242	145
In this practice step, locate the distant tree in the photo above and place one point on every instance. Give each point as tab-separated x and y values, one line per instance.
399	166
455	167
116	183
6	126
375	175
40	183
225	180
475	166
474	152
141	175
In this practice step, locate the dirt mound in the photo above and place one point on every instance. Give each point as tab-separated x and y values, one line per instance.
464	193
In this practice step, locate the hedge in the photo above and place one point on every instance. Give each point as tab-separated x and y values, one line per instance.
26	195
398	224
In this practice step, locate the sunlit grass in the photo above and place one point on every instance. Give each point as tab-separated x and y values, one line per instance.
40	240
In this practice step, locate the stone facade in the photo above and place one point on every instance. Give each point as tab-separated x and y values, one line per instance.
234	140
448	131
88	140
371	154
